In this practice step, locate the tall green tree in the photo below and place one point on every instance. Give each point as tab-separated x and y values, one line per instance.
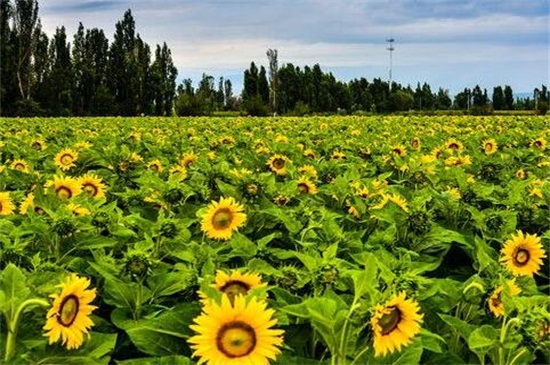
508	98
498	98
273	58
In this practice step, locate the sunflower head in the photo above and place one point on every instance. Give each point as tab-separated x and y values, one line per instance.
6	205
415	143
68	319
539	143
65	187
236	333
222	218
20	165
454	145
395	324
66	159
522	254
399	150
489	146
188	159
305	186
495	303
236	283
155	166
92	186
278	164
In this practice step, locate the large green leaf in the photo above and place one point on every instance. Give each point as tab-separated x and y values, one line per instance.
13	290
164	360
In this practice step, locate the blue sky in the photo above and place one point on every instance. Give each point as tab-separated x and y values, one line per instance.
447	43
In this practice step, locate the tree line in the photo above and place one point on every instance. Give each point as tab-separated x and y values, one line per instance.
90	76
52	77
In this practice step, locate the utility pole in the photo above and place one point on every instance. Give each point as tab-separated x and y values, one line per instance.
391	48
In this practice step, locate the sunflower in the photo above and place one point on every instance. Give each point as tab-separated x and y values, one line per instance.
78	210
222	218
92	186
399	150
38	144
305	186
496	306
522	254
353	211
337	155
6	205
179	171
65	187
399	201
539	143
234	334
20	165
309	153
66	159
29	203
415	143
155	165
395	324
235	283
68	318
309	171
489	146
453	144
188	159
521	174
277	164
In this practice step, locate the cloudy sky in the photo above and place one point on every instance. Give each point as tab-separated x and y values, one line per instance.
447	43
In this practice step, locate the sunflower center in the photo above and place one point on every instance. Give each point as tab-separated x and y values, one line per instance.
278	163
235	287
38	210
236	339
90	189
222	219
68	310
454	146
303	187
64	192
389	321
19	166
66	159
521	257
37	145
397	151
538	143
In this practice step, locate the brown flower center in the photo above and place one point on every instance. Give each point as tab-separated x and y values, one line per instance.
155	167
235	287
521	257
19	166
236	339
90	189
68	310
66	159
278	163
303	188
389	321
538	143
454	146
63	192
222	219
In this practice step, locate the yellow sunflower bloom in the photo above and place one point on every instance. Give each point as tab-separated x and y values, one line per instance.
6	205
278	164
395	324
20	165
188	159
155	166
66	159
235	334
453	144
65	187
222	218
69	317
38	144
496	306
78	210
539	143
522	254
489	146
306	187
399	150
236	283
92	186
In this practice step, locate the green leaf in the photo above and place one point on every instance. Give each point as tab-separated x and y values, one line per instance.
14	290
482	339
464	329
364	281
484	254
164	360
96	242
163	335
167	284
123	295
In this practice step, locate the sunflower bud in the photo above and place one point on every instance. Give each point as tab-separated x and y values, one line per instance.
63	227
100	220
419	223
137	266
168	230
173	196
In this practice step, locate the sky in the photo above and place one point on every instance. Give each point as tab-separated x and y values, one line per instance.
448	43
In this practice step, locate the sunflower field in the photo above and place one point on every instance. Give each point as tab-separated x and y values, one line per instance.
319	240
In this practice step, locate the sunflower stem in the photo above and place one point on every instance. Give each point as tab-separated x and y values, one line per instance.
341	354
13	323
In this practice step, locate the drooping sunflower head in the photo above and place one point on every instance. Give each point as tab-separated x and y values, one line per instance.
521	174
155	166
20	165
337	155
399	150
489	146
188	159
236	283
78	210
305	186
92	186
6	204
69	317
495	303
65	187
236	333
278	164
66	159
395	324
222	218
539	143
522	254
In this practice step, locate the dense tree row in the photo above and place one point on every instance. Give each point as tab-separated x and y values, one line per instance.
50	76
43	76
